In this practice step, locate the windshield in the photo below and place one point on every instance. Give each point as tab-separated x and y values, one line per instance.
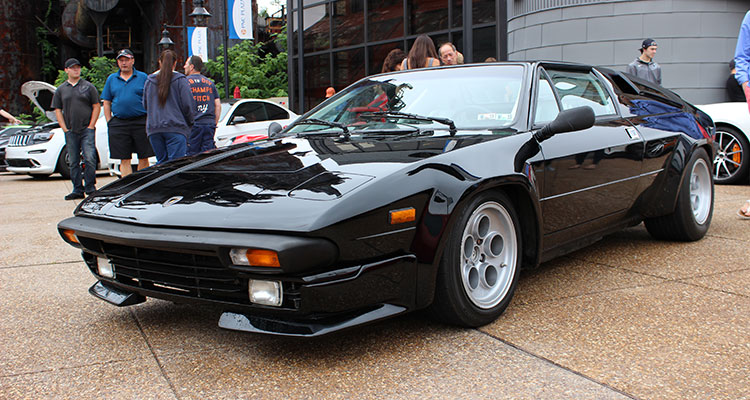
475	98
224	110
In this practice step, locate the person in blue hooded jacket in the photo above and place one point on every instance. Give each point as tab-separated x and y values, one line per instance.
170	107
742	63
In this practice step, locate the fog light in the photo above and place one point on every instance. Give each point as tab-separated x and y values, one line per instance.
267	293
105	267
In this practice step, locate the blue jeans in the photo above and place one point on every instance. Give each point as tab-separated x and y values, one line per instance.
78	143
168	146
201	139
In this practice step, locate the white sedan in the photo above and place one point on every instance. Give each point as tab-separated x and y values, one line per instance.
249	117
732	161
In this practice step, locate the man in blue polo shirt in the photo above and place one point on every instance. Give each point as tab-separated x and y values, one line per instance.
122	98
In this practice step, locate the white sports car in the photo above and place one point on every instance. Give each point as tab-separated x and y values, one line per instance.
249	117
732	120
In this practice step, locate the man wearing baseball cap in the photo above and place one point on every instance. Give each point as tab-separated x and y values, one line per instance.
644	66
126	118
76	104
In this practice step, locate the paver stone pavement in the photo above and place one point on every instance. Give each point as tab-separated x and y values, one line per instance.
628	317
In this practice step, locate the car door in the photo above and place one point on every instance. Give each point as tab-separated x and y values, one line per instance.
589	176
248	117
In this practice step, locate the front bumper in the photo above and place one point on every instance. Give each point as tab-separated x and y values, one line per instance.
33	159
318	297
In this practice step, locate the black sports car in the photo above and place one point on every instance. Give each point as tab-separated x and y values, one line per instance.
408	190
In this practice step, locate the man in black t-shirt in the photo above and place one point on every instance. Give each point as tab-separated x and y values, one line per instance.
208	108
76	104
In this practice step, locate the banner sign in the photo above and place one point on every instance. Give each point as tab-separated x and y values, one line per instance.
198	40
240	19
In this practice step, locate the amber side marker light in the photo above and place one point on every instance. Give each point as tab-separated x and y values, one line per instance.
255	257
71	236
402	215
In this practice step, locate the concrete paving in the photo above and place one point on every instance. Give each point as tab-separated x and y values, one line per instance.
628	317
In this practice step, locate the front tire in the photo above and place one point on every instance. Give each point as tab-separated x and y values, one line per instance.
62	163
480	265
695	204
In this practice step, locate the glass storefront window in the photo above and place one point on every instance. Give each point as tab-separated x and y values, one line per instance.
317	80
485	44
316	28
427	15
482	11
293	36
330	26
458	13
348	67
385	19
458	41
348	22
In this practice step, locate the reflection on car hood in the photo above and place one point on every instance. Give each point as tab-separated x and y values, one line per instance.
286	184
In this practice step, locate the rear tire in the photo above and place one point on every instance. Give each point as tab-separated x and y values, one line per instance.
733	147
695	204
480	264
62	163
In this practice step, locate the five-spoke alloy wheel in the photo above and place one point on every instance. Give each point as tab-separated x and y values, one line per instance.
480	265
730	163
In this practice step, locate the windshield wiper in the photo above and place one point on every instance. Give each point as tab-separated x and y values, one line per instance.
398	114
316	121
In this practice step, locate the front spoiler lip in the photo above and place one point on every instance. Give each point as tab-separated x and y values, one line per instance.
115	296
260	324
265	325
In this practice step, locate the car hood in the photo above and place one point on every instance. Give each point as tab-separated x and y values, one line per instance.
40	93
284	184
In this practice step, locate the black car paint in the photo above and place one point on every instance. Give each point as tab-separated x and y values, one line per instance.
346	188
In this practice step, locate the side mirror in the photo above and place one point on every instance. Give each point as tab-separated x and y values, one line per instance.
238	119
273	129
574	119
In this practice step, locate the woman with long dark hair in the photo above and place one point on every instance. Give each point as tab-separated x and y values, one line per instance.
169	104
422	54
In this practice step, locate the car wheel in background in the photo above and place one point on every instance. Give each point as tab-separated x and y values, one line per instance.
62	163
731	163
480	264
695	204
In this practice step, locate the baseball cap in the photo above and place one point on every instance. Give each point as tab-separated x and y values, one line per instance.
648	43
71	62
124	53
330	92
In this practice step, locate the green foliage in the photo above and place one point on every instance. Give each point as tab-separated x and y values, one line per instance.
48	50
258	75
97	72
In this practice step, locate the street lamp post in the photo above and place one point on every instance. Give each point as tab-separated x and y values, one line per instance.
199	14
